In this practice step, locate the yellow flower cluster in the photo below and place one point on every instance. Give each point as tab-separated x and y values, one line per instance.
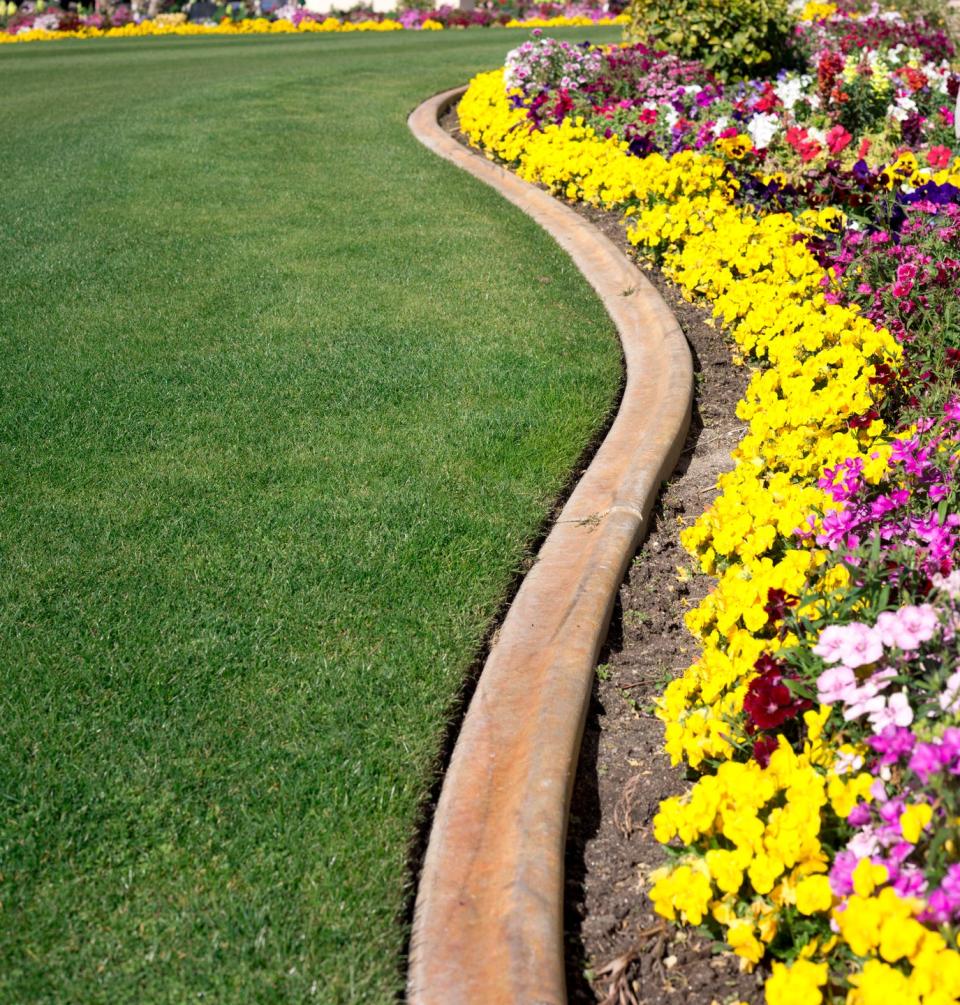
816	11
247	26
754	840
752	858
263	26
879	925
766	287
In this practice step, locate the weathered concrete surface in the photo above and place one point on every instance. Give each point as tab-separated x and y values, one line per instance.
488	927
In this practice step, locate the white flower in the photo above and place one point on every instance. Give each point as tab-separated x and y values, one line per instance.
762	129
902	108
790	91
950	698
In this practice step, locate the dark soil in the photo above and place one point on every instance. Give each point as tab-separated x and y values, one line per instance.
618	951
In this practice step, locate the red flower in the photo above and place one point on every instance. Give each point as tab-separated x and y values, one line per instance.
838	139
864	420
939	157
763	747
777	605
800	141
769	702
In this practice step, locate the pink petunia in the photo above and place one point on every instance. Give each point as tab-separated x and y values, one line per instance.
837	683
861	645
939	157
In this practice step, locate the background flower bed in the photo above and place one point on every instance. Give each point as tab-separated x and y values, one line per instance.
817	211
38	21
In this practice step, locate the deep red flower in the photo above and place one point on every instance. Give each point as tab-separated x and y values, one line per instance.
777	605
769	702
763	747
864	420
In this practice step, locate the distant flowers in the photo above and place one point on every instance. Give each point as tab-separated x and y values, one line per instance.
54	23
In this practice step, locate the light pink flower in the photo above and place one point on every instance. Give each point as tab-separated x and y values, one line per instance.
865	700
861	645
830	643
950	697
896	713
836	684
914	624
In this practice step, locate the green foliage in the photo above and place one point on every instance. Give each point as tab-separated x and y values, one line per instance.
734	38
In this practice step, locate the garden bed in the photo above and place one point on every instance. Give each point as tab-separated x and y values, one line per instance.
39	22
816	214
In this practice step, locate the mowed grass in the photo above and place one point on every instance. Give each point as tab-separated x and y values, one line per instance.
283	400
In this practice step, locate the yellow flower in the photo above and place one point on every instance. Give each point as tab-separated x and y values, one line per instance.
867	876
879	984
913	820
814	895
798	984
744	942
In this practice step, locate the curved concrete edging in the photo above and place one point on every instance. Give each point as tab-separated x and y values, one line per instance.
488	921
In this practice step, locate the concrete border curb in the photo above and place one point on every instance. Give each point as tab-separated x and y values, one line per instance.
488	922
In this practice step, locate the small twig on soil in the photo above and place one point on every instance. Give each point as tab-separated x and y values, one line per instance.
619	991
623	811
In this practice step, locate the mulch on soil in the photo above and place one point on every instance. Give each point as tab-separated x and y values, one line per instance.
619	952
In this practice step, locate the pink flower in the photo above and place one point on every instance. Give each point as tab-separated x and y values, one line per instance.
836	684
830	643
901	288
865	700
939	157
897	712
861	645
906	272
837	139
910	626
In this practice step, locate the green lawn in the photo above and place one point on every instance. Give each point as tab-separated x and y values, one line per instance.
283	398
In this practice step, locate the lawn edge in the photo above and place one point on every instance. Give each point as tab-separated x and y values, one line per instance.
488	919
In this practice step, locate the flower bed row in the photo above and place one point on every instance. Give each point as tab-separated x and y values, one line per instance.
819	214
52	23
